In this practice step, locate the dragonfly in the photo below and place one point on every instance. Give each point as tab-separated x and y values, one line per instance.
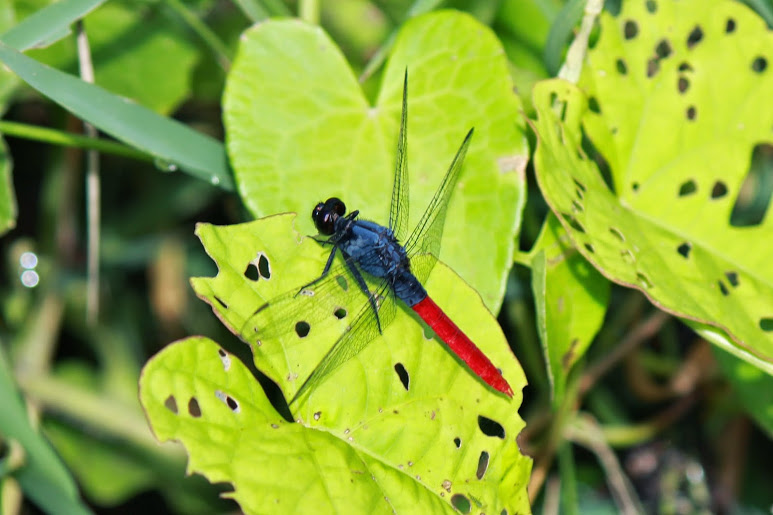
383	271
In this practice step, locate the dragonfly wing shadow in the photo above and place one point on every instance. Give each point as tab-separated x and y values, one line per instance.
362	331
321	305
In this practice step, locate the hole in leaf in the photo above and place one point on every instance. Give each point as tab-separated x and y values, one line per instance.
220	301
491	427
719	190
682	84
635	186
577	206
593	105
193	408
630	29
643	280
171	404
685	67
694	37
302	329
730	26
579	185
263	267
688	188
251	272
589	248
616	232
622	69
754	195
562	114
225	358
403	375
231	402
317	415
653	65
651	6
684	249
573	223
663	50
759	64
723	288
692	113
766	324
732	278
458	442
341	280
340	313
482	465
628	256
461	503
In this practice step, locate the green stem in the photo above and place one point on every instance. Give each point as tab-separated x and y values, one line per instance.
308	11
55	137
569	501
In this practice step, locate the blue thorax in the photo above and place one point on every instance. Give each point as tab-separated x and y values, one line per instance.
376	250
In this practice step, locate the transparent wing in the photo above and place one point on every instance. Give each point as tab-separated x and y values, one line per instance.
359	334
426	237
399	208
313	309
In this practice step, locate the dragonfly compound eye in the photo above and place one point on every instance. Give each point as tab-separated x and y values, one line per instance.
325	214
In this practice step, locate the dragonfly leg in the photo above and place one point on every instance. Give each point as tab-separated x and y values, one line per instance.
364	287
324	272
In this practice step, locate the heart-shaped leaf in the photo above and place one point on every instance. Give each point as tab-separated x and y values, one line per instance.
677	153
300	130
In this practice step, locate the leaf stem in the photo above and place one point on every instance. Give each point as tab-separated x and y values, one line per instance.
93	188
56	137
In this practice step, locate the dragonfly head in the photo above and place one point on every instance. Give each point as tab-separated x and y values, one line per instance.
325	214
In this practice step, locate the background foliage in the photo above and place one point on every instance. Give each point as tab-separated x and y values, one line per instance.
613	211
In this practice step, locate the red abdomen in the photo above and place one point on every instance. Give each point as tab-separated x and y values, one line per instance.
462	346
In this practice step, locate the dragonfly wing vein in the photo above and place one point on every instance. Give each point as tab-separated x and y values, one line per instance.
361	333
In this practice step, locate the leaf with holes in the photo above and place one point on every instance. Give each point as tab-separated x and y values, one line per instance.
267	259
411	440
677	150
571	299
300	130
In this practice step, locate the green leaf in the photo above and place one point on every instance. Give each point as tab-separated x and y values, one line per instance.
261	260
48	24
677	153
571	299
43	478
390	457
170	142
299	130
138	53
7	196
8	83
